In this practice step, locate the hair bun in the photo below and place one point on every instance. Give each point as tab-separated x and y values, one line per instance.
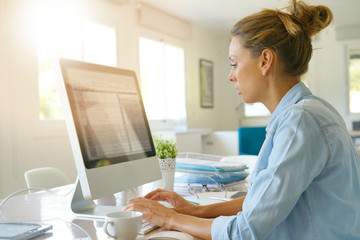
312	18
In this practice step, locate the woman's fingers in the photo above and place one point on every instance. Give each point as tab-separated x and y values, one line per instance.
163	195
152	211
179	204
151	194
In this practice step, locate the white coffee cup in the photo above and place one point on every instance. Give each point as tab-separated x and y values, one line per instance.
123	225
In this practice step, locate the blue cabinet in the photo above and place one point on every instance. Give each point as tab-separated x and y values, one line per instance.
251	140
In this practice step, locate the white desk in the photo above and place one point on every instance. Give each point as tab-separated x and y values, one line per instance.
55	209
50	208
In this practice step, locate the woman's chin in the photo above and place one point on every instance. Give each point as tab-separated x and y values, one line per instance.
243	98
246	100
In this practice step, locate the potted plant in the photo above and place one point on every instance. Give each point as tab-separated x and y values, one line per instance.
166	151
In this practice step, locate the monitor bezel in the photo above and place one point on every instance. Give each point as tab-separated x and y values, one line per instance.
67	64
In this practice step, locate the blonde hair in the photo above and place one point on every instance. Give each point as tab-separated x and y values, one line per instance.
287	34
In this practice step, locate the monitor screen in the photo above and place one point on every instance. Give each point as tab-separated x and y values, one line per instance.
108	129
108	113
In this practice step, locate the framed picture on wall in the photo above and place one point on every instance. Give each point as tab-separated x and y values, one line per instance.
206	84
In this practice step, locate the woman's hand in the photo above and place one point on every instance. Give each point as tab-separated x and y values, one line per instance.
179	203
152	211
168	218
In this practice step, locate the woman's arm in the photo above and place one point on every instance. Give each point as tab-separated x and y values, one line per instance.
168	218
206	211
185	216
199	227
227	208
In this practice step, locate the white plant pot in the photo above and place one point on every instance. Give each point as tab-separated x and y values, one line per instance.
167	167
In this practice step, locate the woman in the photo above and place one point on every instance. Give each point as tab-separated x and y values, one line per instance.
306	184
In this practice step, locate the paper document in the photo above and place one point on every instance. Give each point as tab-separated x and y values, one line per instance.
205	165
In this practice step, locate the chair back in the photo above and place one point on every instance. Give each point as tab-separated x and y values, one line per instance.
46	177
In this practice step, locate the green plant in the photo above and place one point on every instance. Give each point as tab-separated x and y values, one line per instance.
165	148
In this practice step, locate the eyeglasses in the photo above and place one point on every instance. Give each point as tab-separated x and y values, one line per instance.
195	187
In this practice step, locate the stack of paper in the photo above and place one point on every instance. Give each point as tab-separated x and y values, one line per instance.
207	170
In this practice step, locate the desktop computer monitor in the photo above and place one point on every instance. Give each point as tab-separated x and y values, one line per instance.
108	131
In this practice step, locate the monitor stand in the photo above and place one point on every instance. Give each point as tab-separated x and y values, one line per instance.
89	209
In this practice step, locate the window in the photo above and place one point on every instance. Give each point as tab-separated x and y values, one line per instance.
162	77
256	110
354	80
63	35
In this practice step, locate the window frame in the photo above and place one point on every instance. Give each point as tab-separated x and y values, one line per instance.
56	128
348	47
161	125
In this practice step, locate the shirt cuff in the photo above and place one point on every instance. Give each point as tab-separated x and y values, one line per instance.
221	227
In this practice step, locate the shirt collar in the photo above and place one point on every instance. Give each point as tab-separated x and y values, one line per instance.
291	97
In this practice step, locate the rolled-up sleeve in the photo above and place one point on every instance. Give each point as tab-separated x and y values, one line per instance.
298	153
230	227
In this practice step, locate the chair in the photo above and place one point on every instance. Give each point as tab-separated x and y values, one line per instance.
251	140
46	177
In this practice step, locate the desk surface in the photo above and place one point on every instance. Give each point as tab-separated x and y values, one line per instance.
55	209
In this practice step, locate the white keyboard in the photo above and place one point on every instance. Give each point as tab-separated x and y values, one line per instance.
148	227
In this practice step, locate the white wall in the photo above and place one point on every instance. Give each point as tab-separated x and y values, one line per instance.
327	76
221	116
5	119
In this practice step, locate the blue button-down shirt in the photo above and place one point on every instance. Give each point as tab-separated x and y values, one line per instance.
306	183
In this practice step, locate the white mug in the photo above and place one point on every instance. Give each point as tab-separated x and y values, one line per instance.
123	225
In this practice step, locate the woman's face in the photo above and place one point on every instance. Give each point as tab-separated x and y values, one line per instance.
245	72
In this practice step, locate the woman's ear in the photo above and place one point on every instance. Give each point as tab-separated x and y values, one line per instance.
267	59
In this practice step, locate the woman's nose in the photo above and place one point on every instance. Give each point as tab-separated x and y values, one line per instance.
231	78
